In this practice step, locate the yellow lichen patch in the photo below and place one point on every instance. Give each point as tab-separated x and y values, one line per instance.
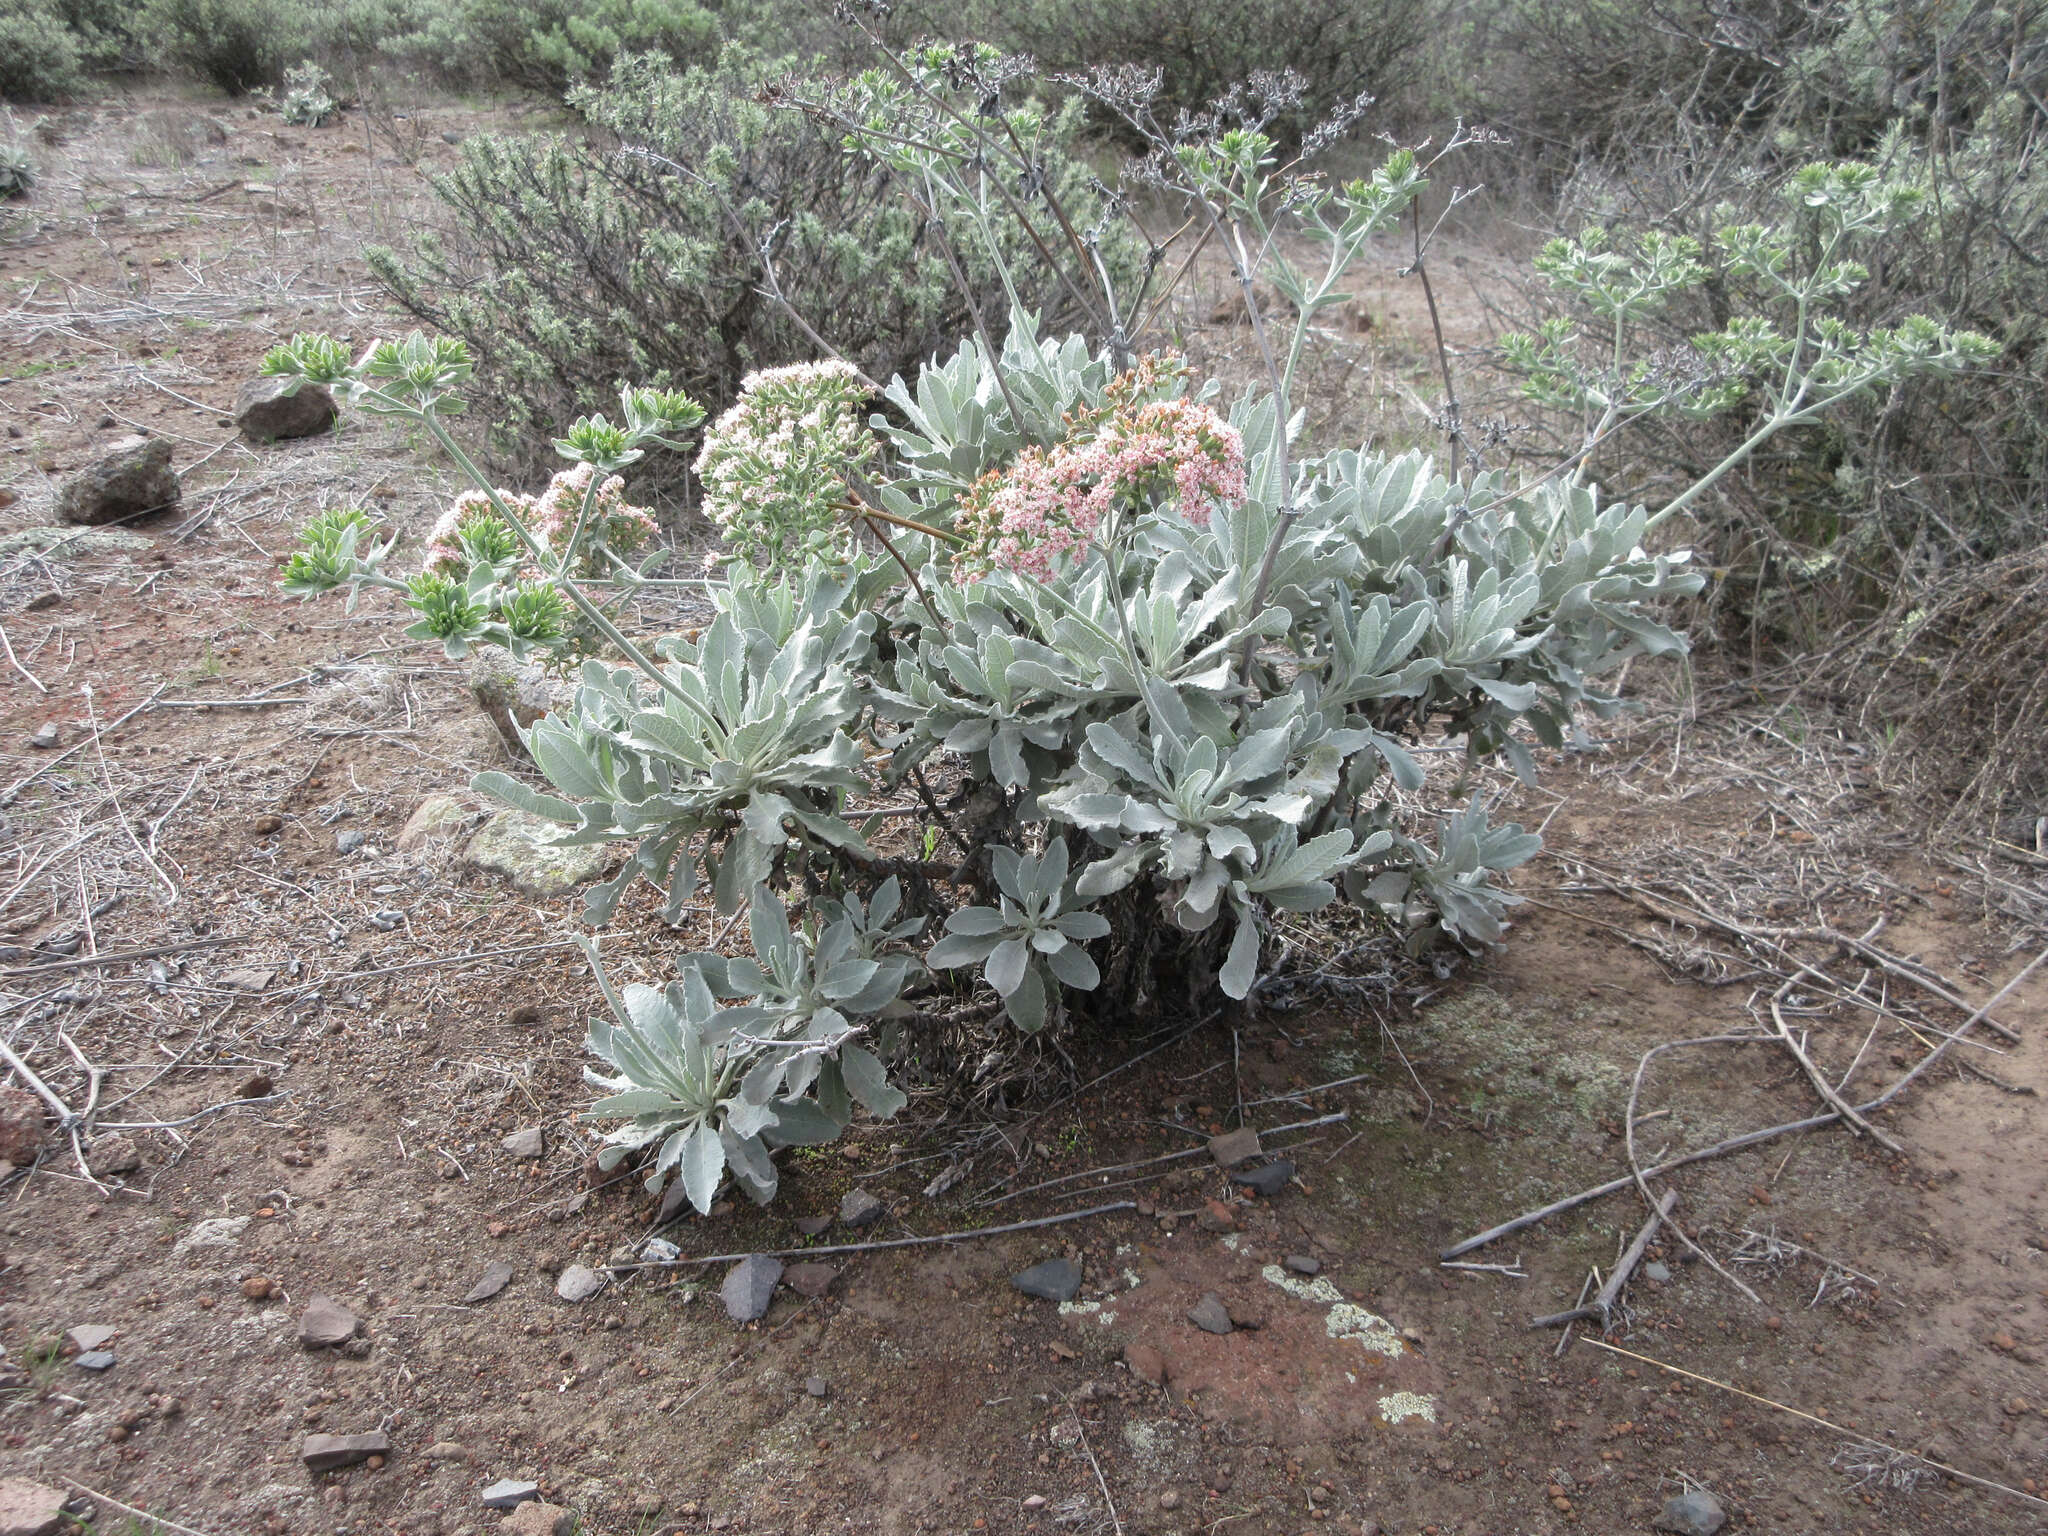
1346	1320
1397	1406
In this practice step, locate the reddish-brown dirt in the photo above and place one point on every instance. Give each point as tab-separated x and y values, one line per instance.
368	1165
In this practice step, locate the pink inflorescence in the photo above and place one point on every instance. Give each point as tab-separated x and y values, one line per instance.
551	517
1130	457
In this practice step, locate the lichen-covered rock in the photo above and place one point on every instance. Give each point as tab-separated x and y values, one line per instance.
514	694
518	847
437	818
265	413
131	478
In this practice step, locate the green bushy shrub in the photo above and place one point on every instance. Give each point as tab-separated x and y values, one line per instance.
1338	47
39	54
237	45
569	265
547	45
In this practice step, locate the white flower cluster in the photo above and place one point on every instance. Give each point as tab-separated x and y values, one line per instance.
774	466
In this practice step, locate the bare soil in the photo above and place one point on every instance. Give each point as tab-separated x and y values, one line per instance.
326	1048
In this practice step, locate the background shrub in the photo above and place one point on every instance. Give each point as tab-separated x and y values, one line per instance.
39	54
236	45
570	267
547	45
1338	47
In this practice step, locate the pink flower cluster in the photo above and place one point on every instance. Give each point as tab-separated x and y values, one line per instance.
551	516
444	543
1129	458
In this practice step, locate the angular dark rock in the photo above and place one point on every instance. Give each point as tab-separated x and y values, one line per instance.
323	1453
1234	1147
1054	1280
1210	1315
812	1280
95	1360
1302	1264
497	1274
326	1321
811	1226
1695	1512
526	1144
266	413
132	478
860	1208
1267	1179
749	1287
507	1493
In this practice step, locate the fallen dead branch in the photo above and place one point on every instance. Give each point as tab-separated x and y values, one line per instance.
1602	1306
1813	1418
1748	1138
885	1243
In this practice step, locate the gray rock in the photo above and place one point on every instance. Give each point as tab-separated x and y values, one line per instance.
132	478
323	1453
30	1509
1302	1264
749	1287
521	849
95	1360
507	1493
514	694
496	1276
526	1144
214	1232
1234	1147
326	1321
265	412
73	543
351	840
579	1282
1657	1271
812	1280
91	1335
860	1208
1210	1315
1268	1179
46	737
247	978
112	1156
1054	1280
811	1226
436	818
1694	1513
815	1386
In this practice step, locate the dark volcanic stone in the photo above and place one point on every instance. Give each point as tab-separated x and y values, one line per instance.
1268	1179
1054	1280
133	478
750	1286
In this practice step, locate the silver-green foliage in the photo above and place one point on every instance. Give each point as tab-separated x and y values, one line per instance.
711	1089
